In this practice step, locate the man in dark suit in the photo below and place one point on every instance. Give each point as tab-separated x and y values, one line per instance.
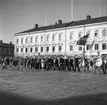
76	64
71	64
66	63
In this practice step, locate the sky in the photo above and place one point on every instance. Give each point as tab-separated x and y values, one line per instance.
20	15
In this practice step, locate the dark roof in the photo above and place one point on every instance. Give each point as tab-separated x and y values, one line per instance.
89	21
45	28
6	45
68	24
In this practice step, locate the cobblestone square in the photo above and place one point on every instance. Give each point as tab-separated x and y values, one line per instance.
52	88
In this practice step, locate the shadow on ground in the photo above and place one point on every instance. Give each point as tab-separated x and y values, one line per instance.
12	99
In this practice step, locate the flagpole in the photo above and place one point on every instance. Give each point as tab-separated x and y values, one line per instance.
72	10
100	9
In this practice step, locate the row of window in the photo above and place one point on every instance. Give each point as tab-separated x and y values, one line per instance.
41	50
96	47
80	48
96	34
36	39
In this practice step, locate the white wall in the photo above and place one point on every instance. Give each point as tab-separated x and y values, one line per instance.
65	35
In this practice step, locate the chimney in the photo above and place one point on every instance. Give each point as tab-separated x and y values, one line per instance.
59	21
10	42
88	17
1	41
36	25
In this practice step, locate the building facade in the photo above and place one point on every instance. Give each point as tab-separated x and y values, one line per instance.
61	38
6	49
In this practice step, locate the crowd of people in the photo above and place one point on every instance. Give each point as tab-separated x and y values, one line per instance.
61	63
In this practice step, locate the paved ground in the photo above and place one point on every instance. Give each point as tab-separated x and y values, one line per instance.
52	88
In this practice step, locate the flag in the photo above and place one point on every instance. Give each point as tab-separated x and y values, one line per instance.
92	44
83	40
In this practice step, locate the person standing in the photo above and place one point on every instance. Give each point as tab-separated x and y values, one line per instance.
4	65
76	64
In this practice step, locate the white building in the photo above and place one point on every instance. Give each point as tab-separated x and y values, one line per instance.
61	38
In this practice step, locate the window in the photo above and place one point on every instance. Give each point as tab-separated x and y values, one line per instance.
53	48
21	40
41	49
31	50
104	32
71	47
47	38
36	49
96	33
80	48
60	35
36	39
26	40
88	47
41	38
104	46
53	37
71	34
79	34
17	50
96	47
17	41
60	48
21	50
31	39
47	49
26	50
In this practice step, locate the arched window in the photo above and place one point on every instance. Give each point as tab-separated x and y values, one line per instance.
41	38
21	40
60	36
79	34
26	40
53	37
71	35
96	33
47	38
104	32
36	39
